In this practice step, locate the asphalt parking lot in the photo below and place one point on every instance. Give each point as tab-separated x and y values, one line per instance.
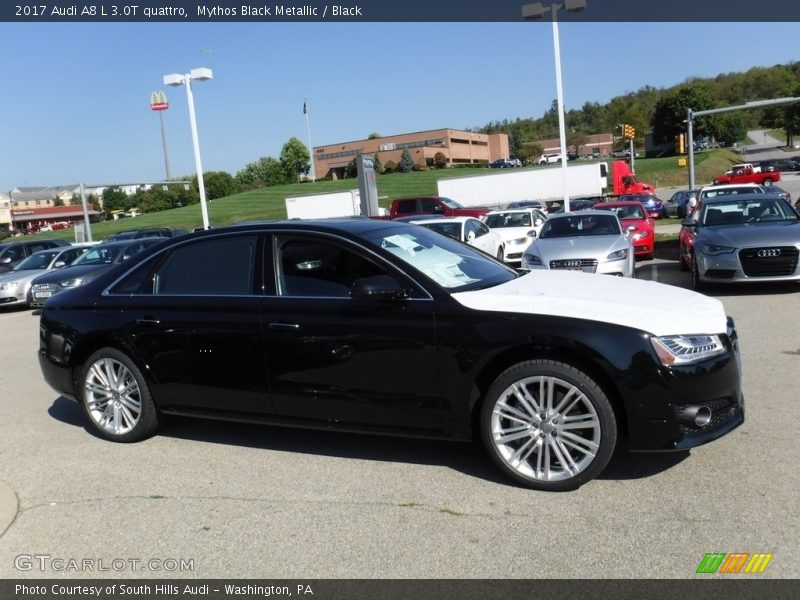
252	501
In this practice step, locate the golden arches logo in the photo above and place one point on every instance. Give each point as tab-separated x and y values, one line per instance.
158	101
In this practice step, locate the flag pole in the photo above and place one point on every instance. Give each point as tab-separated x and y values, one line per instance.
310	148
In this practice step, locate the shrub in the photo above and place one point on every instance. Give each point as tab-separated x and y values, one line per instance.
390	166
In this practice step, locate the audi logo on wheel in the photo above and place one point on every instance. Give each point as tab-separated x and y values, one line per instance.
769	252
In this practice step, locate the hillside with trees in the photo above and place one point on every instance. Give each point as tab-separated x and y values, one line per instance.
663	110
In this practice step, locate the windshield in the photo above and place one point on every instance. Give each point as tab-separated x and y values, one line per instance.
454	266
100	255
580	225
770	210
729	191
625	212
508	219
39	260
450	229
450	203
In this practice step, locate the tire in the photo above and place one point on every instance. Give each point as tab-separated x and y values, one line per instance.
767	182
121	417
500	254
682	263
533	453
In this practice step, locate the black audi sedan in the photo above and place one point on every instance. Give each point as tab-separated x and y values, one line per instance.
374	326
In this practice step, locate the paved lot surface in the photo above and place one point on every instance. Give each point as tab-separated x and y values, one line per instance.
250	501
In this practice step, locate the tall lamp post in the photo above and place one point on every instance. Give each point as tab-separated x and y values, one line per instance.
532	12
176	79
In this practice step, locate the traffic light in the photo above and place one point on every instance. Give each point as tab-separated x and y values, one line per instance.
628	132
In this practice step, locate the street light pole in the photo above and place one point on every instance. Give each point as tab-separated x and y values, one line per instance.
536	11
201	74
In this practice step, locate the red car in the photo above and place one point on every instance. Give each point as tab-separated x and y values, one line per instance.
635	219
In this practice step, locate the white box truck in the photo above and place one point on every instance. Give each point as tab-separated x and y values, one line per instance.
498	189
322	206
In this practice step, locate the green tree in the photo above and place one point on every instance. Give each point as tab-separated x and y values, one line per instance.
376	161
406	162
390	166
670	112
264	172
440	160
219	184
374	136
351	170
295	159
59	202
731	127
155	199
114	199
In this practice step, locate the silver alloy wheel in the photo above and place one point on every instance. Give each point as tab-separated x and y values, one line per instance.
112	396
545	428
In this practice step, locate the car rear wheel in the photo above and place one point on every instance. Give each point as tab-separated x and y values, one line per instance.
767	182
548	425
115	397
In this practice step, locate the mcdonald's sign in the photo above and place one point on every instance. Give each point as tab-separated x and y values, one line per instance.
734	562
158	101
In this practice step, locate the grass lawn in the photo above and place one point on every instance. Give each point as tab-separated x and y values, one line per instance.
268	203
778	134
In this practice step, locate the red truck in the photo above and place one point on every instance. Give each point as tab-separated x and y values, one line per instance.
624	181
748	175
433	205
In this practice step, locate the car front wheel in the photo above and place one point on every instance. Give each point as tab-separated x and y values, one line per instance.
548	425
115	397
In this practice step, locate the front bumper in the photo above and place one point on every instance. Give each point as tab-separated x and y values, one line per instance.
714	384
750	265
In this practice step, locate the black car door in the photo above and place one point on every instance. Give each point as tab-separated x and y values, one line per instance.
340	360
192	315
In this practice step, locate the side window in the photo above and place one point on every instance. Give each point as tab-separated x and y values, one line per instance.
319	268
36	247
405	207
214	267
482	229
471	227
429	205
15	253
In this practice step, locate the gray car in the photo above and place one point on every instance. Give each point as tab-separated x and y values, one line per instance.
16	283
591	241
744	238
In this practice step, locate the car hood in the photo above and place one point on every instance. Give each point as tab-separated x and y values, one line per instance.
513	233
82	271
21	276
645	305
589	246
752	234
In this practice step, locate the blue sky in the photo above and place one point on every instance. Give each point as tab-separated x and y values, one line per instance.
75	102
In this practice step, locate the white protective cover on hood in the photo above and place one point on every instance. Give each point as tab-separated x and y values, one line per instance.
657	308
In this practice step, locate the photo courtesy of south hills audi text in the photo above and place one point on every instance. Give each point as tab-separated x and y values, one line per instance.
122	590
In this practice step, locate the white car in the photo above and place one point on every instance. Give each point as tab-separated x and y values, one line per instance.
470	230
518	228
591	241
547	159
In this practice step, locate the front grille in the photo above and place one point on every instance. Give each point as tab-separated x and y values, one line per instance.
722	411
514	256
588	265
44	287
771	261
721	273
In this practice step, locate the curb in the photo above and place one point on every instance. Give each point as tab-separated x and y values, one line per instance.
8	507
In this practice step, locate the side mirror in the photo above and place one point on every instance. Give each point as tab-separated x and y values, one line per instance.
378	288
538	222
470	236
59	264
5	260
631	228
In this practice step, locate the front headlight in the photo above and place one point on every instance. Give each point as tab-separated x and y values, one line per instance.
686	349
618	255
714	250
70	283
9	285
640	236
532	259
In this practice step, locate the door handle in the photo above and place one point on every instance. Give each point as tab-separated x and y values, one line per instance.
147	321
283	326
